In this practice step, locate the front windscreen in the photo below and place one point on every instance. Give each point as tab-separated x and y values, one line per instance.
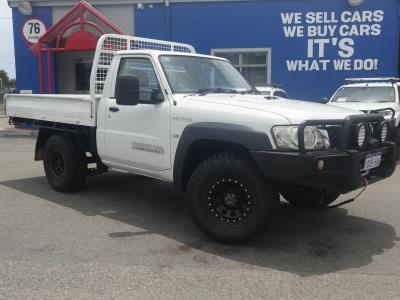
192	74
365	94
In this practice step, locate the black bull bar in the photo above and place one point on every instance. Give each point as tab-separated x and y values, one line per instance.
346	125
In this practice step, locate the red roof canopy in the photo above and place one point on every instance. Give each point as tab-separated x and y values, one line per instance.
81	39
54	40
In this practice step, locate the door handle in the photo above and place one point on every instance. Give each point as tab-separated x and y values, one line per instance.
113	109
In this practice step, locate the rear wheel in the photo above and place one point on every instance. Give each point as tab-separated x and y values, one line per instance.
305	197
230	199
64	165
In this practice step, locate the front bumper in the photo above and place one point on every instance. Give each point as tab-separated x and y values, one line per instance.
342	172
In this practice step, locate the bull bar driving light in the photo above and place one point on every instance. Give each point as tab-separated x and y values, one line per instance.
383	131
361	134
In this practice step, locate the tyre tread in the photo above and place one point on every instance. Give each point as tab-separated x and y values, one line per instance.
76	163
239	161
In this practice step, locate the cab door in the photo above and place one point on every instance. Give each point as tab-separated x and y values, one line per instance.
138	136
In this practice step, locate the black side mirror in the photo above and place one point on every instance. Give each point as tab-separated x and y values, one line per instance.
324	100
127	90
157	96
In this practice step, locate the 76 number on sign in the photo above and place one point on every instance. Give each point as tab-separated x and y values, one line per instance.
34	27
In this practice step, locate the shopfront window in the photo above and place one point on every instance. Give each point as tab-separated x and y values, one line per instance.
254	64
82	76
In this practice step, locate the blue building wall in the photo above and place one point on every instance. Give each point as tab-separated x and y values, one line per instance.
26	63
260	24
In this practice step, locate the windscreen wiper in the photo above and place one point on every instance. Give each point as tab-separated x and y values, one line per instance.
203	92
249	92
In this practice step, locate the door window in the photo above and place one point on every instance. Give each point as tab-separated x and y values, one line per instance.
143	69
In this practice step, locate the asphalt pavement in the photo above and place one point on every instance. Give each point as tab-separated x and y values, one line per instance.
129	237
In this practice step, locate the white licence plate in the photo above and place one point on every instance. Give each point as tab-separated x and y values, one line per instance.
372	161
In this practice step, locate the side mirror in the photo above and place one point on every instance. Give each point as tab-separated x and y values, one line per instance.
157	96
127	90
324	100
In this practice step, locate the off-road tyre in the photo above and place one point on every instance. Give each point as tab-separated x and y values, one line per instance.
65	165
230	200
305	197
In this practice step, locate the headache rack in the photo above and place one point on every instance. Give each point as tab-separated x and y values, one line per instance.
109	44
341	138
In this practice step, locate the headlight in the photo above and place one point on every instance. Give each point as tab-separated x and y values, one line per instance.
361	134
286	137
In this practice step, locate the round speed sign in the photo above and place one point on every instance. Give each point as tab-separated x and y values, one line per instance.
33	29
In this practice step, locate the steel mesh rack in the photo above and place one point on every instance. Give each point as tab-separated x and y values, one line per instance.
109	44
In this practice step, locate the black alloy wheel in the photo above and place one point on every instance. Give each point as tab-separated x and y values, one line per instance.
64	164
230	199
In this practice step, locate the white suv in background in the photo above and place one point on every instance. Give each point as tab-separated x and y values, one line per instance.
371	95
272	92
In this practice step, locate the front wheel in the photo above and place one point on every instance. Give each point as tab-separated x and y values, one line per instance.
65	166
306	197
230	199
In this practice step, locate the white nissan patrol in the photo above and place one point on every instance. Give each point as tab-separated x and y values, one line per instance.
195	121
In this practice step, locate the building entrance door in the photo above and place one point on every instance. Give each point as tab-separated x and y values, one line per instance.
82	69
73	72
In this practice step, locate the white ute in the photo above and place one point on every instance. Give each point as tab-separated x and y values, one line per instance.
158	109
372	95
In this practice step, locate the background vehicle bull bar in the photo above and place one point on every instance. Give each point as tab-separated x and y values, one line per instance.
375	111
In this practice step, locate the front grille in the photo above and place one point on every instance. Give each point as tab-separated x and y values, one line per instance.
334	132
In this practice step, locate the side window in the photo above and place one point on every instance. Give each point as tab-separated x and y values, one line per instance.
143	69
